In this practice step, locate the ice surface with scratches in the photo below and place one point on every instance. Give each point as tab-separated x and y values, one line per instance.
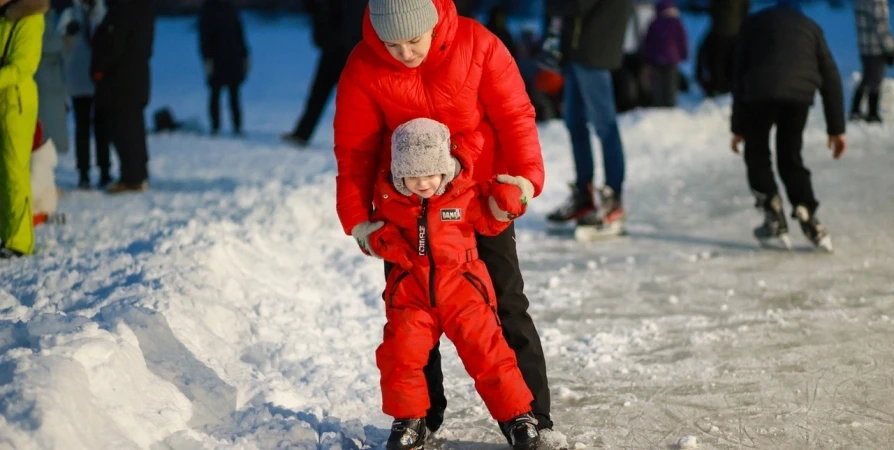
226	309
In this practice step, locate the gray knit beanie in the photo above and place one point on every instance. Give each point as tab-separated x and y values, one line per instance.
399	20
419	148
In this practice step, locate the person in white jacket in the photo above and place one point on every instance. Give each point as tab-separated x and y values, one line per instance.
76	26
50	79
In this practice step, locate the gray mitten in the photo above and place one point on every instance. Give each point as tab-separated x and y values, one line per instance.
361	233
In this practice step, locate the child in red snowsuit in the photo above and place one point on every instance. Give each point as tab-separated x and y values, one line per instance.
427	212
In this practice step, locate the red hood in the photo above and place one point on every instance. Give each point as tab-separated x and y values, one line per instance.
445	31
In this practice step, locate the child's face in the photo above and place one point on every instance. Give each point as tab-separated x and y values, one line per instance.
424	187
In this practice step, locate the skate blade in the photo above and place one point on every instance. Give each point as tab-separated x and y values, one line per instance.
781	242
825	244
593	233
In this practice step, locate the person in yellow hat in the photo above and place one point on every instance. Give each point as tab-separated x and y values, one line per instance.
21	37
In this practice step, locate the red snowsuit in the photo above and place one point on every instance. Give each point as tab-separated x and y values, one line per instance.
468	82
447	290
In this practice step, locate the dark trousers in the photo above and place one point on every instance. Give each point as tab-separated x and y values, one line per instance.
789	120
501	258
235	107
665	81
329	68
127	130
86	117
870	84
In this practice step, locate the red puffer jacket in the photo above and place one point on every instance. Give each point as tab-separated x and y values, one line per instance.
468	82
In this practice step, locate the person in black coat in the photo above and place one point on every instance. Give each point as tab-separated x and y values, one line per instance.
122	47
714	63
337	29
225	57
782	60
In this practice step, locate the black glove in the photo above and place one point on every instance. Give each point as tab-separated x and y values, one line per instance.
889	58
73	28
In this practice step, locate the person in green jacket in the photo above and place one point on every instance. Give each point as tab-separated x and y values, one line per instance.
21	37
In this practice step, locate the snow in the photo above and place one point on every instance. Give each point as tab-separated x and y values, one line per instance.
225	309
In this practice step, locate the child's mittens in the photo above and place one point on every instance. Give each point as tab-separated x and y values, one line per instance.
390	245
362	234
509	197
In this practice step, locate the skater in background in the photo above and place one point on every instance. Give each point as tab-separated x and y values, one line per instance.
716	53
419	58
630	81
876	51
427	211
592	46
77	25
122	47
782	60
336	31
665	46
21	39
50	79
225	58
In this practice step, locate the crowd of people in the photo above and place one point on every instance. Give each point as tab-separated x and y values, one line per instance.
437	147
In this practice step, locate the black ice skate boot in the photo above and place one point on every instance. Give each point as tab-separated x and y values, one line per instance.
605	221
873	116
775	226
813	229
521	432
578	205
407	434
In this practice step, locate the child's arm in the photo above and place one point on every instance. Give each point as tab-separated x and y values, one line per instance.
390	245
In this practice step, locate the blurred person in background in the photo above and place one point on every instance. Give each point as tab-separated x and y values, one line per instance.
665	46
782	60
225	58
122	48
336	31
592	43
50	79
715	57
876	51
21	39
77	26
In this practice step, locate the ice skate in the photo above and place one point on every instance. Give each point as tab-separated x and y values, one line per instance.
579	204
407	434
604	222
775	227
521	432
813	229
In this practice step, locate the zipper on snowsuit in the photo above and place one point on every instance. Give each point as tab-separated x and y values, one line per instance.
425	250
479	286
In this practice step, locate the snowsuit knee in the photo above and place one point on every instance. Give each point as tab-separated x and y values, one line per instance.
447	290
21	35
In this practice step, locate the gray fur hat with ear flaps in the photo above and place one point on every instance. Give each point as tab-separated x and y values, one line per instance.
419	148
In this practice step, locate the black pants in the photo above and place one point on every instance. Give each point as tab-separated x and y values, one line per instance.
664	85
329	68
790	120
127	130
235	107
501	258
870	84
85	116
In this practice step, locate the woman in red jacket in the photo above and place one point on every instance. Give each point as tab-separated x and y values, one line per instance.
418	58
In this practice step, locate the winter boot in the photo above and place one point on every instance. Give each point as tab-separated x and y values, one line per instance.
84	181
606	221
104	179
578	204
873	116
521	432
775	226
813	229
407	434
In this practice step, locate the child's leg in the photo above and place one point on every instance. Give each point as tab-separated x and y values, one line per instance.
470	322
411	332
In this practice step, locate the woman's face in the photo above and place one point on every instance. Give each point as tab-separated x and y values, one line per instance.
424	187
410	52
